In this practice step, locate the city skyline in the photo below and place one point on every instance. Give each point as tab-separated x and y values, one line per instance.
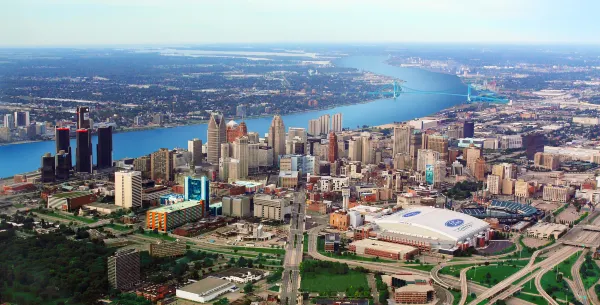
136	22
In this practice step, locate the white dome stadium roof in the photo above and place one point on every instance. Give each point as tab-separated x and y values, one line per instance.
433	223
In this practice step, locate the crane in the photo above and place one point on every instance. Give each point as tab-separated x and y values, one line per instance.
395	89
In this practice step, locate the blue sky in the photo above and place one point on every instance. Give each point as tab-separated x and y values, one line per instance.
102	22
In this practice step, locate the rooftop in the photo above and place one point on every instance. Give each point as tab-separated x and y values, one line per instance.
176	207
205	285
383	246
100	205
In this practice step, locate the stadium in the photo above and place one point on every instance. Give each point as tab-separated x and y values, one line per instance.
507	212
429	229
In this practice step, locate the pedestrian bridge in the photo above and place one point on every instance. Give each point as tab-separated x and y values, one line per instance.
580	244
591	228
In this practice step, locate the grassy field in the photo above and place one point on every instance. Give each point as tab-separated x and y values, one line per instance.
590	273
565	266
453	270
493	274
556	289
305	243
456	295
274	288
18	205
535	299
326	282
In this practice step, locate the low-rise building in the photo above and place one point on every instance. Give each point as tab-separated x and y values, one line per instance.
271	206
205	290
70	201
414	294
557	193
383	249
167	249
172	216
332	242
288	179
339	220
241	275
546	230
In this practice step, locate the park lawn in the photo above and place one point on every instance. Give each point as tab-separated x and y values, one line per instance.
454	270
456	295
424	267
496	273
274	288
535	299
565	266
18	205
556	289
260	250
327	282
591	275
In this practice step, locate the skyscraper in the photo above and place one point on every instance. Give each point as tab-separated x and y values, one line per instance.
63	142
240	152
402	139
128	189
195	147
277	138
62	165
469	129
9	121
333	147
367	156
21	118
416	139
161	165
83	156
533	144
48	169
314	127
336	122
197	189
216	135
124	269
355	149
439	143
104	148
325	127
83	117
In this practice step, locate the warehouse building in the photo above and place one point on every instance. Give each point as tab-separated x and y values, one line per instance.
383	249
205	290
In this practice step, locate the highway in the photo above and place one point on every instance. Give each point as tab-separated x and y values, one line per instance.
499	291
293	252
464	289
579	289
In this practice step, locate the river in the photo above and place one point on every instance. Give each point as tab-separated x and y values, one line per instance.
20	158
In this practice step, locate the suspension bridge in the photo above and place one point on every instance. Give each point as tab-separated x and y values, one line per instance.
395	89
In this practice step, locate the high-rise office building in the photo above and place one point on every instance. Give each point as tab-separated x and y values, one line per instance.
161	165
325	126
235	130
21	119
472	153
62	165
240	111
83	158
277	137
333	147
195	147
479	169
355	149
9	121
402	139
336	122
83	117
240	152
415	143
225	150
128	189
427	157
469	129
124	269
533	144
367	156
104	148
48	169
439	143
297	133
197	189
314	127
63	142
216	135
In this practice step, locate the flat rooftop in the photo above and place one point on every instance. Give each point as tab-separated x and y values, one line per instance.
69	195
100	205
205	285
176	207
383	246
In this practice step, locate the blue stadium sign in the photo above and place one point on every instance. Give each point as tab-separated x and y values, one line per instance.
454	223
411	214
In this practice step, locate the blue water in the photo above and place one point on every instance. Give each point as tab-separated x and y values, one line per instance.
21	158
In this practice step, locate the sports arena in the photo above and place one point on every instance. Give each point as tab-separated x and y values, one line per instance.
429	229
507	212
